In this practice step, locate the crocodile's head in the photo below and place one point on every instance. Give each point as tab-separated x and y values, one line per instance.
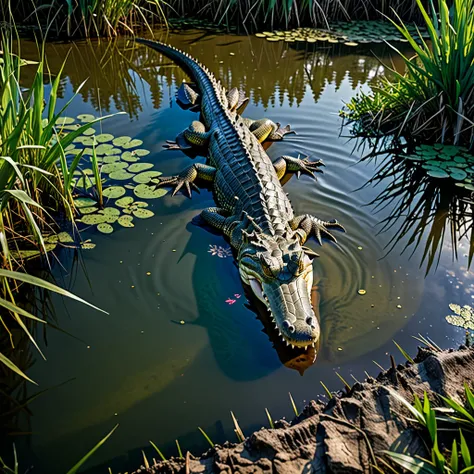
280	274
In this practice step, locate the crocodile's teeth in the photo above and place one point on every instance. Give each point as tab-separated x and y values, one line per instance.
305	347
292	346
287	343
276	325
314	344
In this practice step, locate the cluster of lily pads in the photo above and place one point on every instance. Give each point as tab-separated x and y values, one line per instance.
463	317
349	33
122	172
446	161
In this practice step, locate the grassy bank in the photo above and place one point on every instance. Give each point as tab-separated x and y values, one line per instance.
433	102
91	18
36	186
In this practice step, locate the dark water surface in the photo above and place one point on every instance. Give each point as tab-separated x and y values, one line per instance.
160	379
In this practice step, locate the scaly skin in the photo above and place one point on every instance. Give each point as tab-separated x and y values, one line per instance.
254	211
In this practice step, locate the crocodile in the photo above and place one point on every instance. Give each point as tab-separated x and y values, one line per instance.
253	211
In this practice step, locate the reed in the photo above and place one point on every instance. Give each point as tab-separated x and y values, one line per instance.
85	18
433	101
35	183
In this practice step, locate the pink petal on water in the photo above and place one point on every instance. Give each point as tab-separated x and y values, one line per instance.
230	301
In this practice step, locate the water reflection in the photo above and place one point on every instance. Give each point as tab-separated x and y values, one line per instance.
419	211
116	73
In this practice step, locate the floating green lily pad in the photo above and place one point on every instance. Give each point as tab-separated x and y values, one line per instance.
143	191
103	148
124	202
120	175
88	245
113	151
121	141
141	152
110	211
137	167
89	131
458	175
104	137
88	141
92	219
88	210
64	121
84	202
132	144
111	167
146	176
130	157
437	173
126	221
114	192
111	159
85	118
105	228
65	238
143	213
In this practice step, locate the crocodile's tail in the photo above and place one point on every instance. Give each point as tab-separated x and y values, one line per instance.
198	72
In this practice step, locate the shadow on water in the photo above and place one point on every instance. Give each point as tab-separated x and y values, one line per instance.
421	212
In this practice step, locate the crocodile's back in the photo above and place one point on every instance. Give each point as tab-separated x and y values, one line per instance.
246	179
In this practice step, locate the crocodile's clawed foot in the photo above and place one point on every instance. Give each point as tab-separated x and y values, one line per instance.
180	181
308	167
171	145
318	228
281	132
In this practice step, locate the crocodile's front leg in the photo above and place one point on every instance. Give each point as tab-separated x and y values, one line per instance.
188	176
309	226
265	129
195	136
287	164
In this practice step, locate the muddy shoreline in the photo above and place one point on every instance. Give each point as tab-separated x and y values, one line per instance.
345	435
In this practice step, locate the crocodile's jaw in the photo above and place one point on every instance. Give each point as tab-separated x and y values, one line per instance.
290	307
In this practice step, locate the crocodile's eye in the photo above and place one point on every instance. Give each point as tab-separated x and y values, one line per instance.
266	267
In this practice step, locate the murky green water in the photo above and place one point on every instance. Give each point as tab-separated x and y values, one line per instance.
160	379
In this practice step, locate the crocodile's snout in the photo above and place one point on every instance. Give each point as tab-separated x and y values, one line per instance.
290	307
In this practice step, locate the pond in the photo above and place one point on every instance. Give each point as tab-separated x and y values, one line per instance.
180	348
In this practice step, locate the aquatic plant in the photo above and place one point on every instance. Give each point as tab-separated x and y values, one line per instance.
433	101
85	18
463	317
283	13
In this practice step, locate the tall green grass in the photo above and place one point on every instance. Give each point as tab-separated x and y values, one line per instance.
433	101
85	18
35	184
283	13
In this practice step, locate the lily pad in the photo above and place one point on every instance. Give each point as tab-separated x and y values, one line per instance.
132	144
124	202
89	131
85	118
65	238
87	245
121	141
111	167
110	211
113	151
146	177
88	210
105	228
143	213
84	202
458	175
120	175
126	221
92	219
111	159
88	141
114	192
103	148
137	167
64	121
143	191
130	157
141	152
104	137
437	173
